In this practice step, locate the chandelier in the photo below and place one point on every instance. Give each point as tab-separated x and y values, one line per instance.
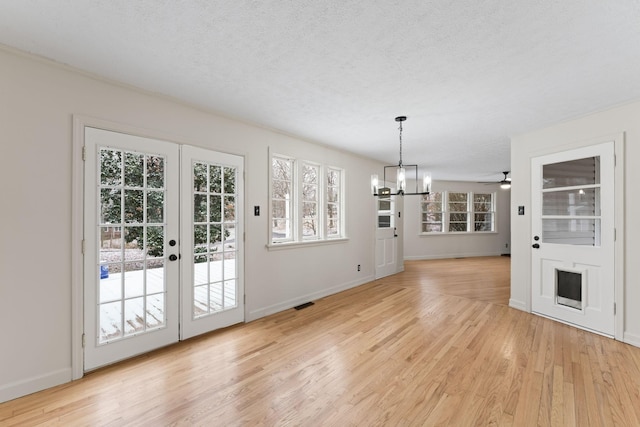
401	175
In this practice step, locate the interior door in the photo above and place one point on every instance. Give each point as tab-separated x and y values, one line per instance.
211	239
131	276
386	237
573	237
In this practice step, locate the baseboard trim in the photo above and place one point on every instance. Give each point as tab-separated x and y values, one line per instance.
518	305
446	256
34	384
285	305
631	339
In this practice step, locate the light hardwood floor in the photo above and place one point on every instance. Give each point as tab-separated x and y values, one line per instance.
435	345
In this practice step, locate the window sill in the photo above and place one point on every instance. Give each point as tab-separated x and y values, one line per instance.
305	243
456	233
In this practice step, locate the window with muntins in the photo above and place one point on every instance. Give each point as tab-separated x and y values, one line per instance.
457	212
306	201
282	169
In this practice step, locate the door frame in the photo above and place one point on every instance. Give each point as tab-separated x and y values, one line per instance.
79	122
618	140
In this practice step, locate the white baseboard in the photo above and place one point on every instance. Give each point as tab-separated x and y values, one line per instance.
31	385
631	339
447	256
518	305
285	305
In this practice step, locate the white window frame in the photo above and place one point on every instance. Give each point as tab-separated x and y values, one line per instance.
297	201
470	212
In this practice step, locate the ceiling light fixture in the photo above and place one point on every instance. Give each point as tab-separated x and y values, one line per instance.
505	184
401	175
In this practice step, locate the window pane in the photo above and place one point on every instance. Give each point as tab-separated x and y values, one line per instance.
229	180
155	206
282	169
134	170
583	232
133	206
199	177
457	207
572	173
432	217
431	228
457	226
576	202
110	167
155	172
458	217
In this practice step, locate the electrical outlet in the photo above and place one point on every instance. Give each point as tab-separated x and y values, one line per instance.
358	267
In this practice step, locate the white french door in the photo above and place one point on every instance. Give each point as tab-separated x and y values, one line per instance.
133	239
572	242
212	235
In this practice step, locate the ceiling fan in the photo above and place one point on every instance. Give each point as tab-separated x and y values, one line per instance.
505	183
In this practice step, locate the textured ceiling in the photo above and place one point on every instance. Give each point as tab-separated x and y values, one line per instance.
468	74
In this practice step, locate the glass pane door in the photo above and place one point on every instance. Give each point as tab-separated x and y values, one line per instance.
212	238
131	274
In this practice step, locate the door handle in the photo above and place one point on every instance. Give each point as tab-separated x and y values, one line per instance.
173	257
536	246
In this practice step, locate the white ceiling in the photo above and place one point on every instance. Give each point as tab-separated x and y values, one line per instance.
469	74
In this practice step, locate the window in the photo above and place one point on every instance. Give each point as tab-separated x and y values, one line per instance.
310	196
483	212
299	190
432	213
457	212
281	192
334	204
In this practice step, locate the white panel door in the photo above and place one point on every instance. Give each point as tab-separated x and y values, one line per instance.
131	276
386	237
573	237
211	240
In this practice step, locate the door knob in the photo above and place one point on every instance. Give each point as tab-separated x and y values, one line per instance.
535	246
173	257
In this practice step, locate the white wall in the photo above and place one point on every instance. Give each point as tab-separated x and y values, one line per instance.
598	127
37	102
436	245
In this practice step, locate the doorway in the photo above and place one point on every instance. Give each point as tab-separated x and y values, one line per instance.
389	229
573	237
162	260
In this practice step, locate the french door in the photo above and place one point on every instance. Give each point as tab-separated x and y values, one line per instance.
140	261
212	235
572	242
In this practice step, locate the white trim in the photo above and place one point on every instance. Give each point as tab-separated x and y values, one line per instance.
518	305
449	256
77	236
631	339
619	248
285	305
317	242
34	384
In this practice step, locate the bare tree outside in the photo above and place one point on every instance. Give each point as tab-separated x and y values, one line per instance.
333	202
310	195
281	192
431	207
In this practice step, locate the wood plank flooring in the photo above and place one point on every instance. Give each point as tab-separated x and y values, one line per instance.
435	345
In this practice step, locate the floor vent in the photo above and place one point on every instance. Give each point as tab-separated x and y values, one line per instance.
305	305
